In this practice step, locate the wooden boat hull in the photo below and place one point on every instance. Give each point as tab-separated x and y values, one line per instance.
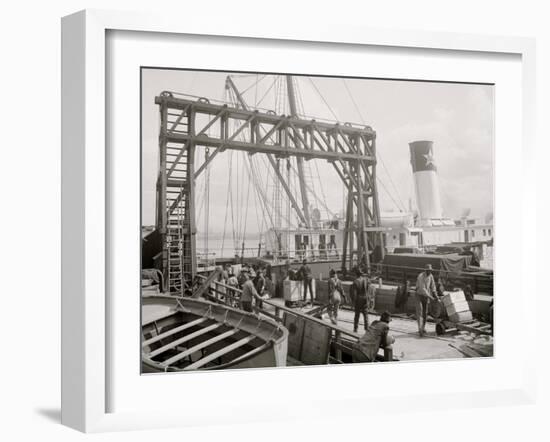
183	334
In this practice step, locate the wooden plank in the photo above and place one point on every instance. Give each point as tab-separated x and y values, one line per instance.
337	339
220	353
206	284
315	344
199	346
467	351
177	342
344	331
173	331
251	353
295	326
481	331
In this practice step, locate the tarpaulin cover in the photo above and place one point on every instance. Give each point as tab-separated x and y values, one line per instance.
451	263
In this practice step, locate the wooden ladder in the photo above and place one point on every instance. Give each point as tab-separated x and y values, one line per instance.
177	245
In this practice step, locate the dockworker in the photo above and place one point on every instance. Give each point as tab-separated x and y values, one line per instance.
468	293
259	285
307	278
242	278
359	291
232	282
221	279
335	292
375	336
248	292
402	294
425	292
225	273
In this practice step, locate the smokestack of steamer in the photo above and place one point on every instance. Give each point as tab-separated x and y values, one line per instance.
425	180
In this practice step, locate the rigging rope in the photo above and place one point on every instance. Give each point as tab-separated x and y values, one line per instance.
402	206
266	92
253	84
246	214
327	210
323	201
323	98
227	203
299	95
207	201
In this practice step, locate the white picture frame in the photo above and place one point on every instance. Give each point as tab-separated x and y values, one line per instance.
85	211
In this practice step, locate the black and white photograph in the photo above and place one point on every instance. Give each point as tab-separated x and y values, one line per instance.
299	220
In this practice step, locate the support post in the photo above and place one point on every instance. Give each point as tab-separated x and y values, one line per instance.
338	346
347	228
190	203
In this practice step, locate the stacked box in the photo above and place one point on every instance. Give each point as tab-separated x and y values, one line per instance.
453	297
385	298
461	316
294	290
456	306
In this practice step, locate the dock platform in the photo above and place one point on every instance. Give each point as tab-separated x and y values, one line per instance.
408	346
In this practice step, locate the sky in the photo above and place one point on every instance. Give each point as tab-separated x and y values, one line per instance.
458	118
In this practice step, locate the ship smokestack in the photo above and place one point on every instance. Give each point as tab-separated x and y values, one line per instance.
425	180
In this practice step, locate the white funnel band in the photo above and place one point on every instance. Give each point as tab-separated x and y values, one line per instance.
427	194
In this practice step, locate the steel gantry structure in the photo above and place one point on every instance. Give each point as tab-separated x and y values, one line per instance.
186	124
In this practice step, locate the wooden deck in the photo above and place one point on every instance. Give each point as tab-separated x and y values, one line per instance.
408	346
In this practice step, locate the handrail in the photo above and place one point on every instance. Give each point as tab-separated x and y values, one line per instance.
449	272
338	331
478	280
252	252
312	318
278	307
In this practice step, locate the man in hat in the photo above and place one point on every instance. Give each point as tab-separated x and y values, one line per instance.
259	284
248	292
375	336
307	278
359	292
425	291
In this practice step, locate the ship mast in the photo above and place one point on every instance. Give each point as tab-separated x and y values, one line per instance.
230	84
299	160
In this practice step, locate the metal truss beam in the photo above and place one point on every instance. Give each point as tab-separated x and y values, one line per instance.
186	124
281	151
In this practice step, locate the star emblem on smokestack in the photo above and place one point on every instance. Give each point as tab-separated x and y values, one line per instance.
429	159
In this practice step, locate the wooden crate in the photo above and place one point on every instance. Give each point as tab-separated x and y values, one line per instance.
453	297
293	291
457	307
461	317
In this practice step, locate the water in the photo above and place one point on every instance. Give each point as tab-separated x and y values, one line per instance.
216	247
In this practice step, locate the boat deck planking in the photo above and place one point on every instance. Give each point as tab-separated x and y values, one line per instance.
216	336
